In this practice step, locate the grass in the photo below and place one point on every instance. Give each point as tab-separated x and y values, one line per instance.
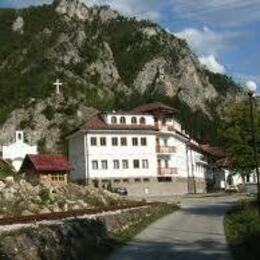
242	228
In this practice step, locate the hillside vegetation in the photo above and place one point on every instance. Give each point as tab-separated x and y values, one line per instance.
105	61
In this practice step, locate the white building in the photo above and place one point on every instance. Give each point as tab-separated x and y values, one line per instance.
144	150
229	180
16	152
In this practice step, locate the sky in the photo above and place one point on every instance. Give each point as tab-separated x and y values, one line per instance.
224	34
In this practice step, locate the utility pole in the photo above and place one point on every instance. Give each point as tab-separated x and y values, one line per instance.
253	127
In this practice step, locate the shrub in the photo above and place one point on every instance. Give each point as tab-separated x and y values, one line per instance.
49	112
45	195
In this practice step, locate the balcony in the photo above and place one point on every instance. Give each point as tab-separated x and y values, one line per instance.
167	171
165	149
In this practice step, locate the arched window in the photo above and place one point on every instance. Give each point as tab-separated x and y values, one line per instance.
114	120
122	120
142	121
133	120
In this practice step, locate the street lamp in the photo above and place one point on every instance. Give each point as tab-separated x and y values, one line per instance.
251	87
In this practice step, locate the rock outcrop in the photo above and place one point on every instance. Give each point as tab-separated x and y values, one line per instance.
101	57
20	198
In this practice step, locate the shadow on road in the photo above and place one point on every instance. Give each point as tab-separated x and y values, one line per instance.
180	250
205	210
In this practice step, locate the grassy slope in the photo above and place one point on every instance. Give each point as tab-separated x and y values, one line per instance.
242	227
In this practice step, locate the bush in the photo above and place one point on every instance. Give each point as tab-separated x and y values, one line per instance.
6	170
45	195
242	227
49	112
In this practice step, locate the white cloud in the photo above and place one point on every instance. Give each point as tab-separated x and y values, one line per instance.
140	8
208	42
221	12
244	78
211	63
251	85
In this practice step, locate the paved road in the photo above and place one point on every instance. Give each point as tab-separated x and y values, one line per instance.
193	233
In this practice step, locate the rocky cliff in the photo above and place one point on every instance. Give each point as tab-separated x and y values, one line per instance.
105	61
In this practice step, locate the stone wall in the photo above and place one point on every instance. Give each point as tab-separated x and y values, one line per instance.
71	239
152	187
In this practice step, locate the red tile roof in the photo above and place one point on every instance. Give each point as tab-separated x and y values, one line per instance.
224	163
50	163
215	151
148	108
96	122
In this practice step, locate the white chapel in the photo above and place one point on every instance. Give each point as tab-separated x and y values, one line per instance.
17	151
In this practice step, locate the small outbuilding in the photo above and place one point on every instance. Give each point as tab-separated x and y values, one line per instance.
46	169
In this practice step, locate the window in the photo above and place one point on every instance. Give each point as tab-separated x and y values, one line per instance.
248	178
104	164
142	121
164	122
136	164
146	180
134	120
135	141
145	164
95	165
122	120
114	141
103	141
114	120
137	180
116	164
143	141
117	181
93	141
54	177
123	141
165	179
61	177
166	162
125	180
125	164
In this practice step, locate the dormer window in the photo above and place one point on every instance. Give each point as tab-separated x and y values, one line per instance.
20	136
142	121
122	120
114	120
134	120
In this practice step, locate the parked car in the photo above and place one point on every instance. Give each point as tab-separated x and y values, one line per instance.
231	188
121	191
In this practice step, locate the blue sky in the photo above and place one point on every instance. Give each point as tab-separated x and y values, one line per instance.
225	34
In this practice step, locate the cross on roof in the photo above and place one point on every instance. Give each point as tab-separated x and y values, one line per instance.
58	84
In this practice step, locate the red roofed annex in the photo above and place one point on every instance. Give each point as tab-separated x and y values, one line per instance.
46	169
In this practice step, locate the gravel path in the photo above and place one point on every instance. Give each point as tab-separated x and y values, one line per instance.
194	232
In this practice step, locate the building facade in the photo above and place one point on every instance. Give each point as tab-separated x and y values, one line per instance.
16	152
144	150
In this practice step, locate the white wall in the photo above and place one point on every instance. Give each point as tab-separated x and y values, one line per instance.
77	157
16	153
237	179
149	119
197	164
178	159
129	152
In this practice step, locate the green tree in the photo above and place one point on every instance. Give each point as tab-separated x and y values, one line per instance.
236	131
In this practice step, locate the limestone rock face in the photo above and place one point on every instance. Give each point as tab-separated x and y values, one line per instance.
44	121
18	25
99	55
72	8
